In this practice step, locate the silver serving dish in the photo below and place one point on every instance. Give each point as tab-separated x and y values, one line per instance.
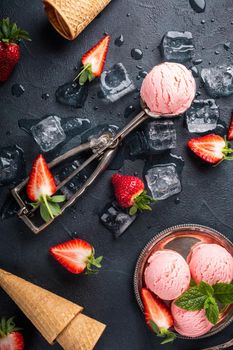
181	238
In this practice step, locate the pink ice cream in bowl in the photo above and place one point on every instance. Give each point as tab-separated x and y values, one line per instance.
176	257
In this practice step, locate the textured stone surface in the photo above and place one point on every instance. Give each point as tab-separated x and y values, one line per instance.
48	62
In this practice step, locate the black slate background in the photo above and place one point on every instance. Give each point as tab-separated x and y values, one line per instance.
47	62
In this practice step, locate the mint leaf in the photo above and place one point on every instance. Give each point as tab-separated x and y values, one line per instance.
223	292
192	283
192	300
211	310
206	289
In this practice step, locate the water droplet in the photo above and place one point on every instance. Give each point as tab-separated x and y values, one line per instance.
217	52
202	21
177	200
212	20
198	5
194	71
17	90
45	96
128	15
95	108
197	61
136	54
119	40
142	73
128	111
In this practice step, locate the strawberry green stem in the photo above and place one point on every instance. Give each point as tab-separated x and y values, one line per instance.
47	205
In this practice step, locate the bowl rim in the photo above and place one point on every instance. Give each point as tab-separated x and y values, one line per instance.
163	234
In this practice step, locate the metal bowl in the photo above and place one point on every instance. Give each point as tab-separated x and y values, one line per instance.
181	238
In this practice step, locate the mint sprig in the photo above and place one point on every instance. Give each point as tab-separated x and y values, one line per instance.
168	336
207	297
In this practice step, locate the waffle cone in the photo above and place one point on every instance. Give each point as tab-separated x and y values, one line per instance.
71	17
49	313
81	334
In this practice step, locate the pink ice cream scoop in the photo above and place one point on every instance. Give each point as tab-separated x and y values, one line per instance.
190	323
167	274
210	263
168	89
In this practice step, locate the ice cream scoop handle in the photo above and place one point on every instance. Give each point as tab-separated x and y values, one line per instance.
134	123
226	345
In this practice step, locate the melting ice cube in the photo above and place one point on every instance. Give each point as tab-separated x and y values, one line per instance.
12	165
156	136
72	94
218	80
202	116
116	219
48	133
163	181
63	171
116	83
177	46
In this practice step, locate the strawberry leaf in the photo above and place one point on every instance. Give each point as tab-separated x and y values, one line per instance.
57	199
55	208
45	213
83	78
133	210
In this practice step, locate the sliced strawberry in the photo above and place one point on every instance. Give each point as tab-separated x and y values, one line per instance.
157	315
41	186
93	61
230	131
76	256
129	192
211	148
10	338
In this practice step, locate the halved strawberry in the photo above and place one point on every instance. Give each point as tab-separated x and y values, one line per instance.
93	61
130	193
157	316
76	256
230	131
211	148
10	338
40	188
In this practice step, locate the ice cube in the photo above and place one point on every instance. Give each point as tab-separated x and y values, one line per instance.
202	116
63	171
218	80
97	131
163	181
12	165
156	136
72	94
116	83
9	208
48	133
116	219
177	46
73	126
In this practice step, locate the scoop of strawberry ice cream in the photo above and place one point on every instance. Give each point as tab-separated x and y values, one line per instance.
210	263
167	274
168	89
190	323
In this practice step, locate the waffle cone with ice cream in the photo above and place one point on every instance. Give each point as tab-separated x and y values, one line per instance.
71	17
56	318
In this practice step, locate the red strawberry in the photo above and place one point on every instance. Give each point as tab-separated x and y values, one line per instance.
76	256
157	315
41	186
230	131
130	193
10	35
211	148
93	61
10	338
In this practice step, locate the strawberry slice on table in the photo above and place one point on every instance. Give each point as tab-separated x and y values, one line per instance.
230	131
211	148
40	188
77	256
130	193
157	316
10	337
93	61
10	36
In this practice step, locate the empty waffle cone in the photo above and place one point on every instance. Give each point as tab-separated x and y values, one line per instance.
49	313
81	334
71	17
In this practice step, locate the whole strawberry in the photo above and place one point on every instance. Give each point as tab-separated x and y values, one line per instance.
130	193
10	36
10	337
